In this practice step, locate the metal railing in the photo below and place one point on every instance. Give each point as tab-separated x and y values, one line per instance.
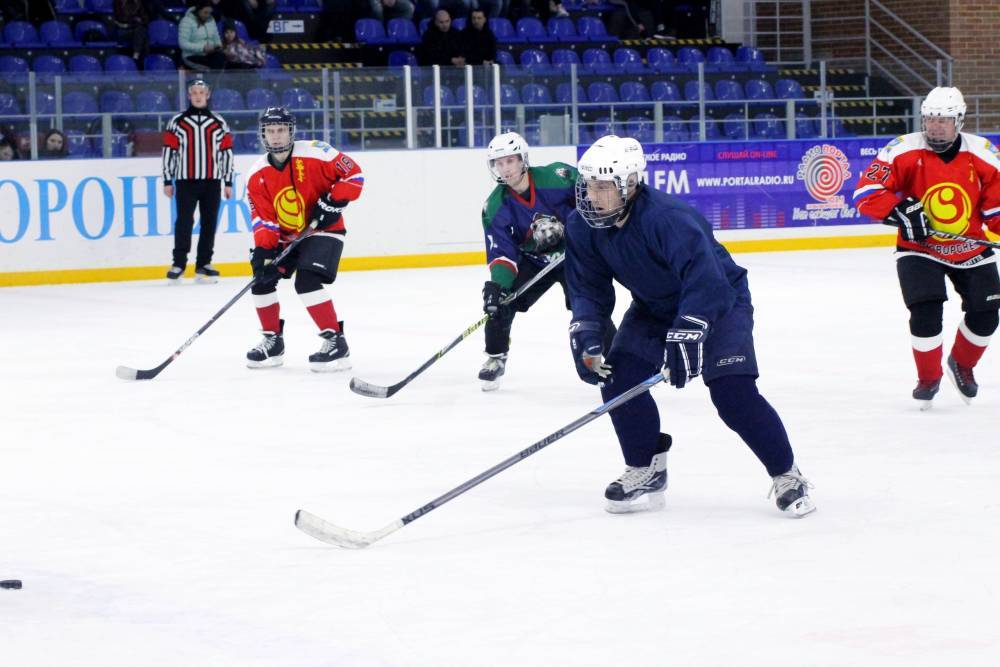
398	108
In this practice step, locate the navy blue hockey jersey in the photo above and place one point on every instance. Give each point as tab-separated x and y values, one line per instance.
665	255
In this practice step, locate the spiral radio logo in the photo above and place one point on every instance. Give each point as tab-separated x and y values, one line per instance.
290	209
948	208
824	170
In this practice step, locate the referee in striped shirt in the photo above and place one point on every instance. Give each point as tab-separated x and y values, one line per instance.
197	154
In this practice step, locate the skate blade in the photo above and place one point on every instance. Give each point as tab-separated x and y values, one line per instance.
270	362
654	502
330	366
925	405
206	280
173	282
954	383
491	385
800	508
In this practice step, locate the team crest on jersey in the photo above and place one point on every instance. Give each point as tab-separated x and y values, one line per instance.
824	170
290	209
562	172
948	208
300	171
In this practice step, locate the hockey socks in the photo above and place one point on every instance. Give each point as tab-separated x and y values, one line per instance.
927	356
268	311
745	411
320	307
969	346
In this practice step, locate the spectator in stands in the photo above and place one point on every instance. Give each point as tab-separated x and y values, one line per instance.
336	22
7	151
131	18
546	9
632	19
256	14
440	44
201	46
54	146
239	54
480	43
383	10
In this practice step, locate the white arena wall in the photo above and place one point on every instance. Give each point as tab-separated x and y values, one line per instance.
105	220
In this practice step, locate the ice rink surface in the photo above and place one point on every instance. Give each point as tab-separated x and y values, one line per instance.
151	522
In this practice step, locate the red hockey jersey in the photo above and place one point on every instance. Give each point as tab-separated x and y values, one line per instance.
281	201
961	196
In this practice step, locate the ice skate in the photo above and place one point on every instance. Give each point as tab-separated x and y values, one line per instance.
207	275
640	488
270	351
791	492
174	274
963	379
925	392
492	371
334	355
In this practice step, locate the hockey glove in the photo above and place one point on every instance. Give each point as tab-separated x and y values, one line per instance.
492	296
682	352
547	233
909	216
585	341
262	262
326	212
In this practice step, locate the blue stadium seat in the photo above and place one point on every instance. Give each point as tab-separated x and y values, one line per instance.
227	99
149	101
21	34
835	128
447	96
720	59
297	98
163	33
562	59
629	60
633	91
691	91
663	61
101	6
57	34
664	91
45	103
640	128
402	31
120	63
248	143
261	98
68	7
563	29
768	126
753	59
116	101
479	97
96	31
80	102
370	31
509	95
9	105
532	30
506	61
564	93
504	31
689	57
734	127
157	62
727	90
79	145
592	29
602	91
535	61
602	127
597	61
789	89
759	89
13	65
84	63
46	66
806	128
400	58
535	93
458	23
674	129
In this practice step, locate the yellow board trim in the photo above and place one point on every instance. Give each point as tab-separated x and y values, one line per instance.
68	276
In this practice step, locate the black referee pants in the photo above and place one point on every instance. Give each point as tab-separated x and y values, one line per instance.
205	194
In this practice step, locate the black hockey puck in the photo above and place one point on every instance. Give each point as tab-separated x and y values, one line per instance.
10	583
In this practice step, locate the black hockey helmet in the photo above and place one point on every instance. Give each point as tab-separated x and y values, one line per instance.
277	116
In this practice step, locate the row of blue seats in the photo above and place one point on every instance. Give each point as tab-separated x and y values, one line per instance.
87	64
758	90
90	34
73	7
156	101
528	30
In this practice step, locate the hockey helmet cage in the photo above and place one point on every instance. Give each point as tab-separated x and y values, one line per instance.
943	102
277	116
619	160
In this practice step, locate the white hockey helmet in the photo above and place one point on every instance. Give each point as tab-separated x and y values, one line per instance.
502	145
943	103
618	160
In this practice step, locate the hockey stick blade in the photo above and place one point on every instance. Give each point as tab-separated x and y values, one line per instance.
126	373
359	386
324	531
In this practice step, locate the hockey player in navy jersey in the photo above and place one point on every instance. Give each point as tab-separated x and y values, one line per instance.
691	313
524	224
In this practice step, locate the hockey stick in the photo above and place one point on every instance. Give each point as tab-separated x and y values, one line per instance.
325	531
126	373
359	386
960	237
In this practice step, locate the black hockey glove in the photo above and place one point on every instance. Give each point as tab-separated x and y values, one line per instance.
262	262
492	296
326	212
585	341
682	349
909	216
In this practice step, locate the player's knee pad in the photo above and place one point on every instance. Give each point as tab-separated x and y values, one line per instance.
925	318
735	397
264	288
982	322
309	281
